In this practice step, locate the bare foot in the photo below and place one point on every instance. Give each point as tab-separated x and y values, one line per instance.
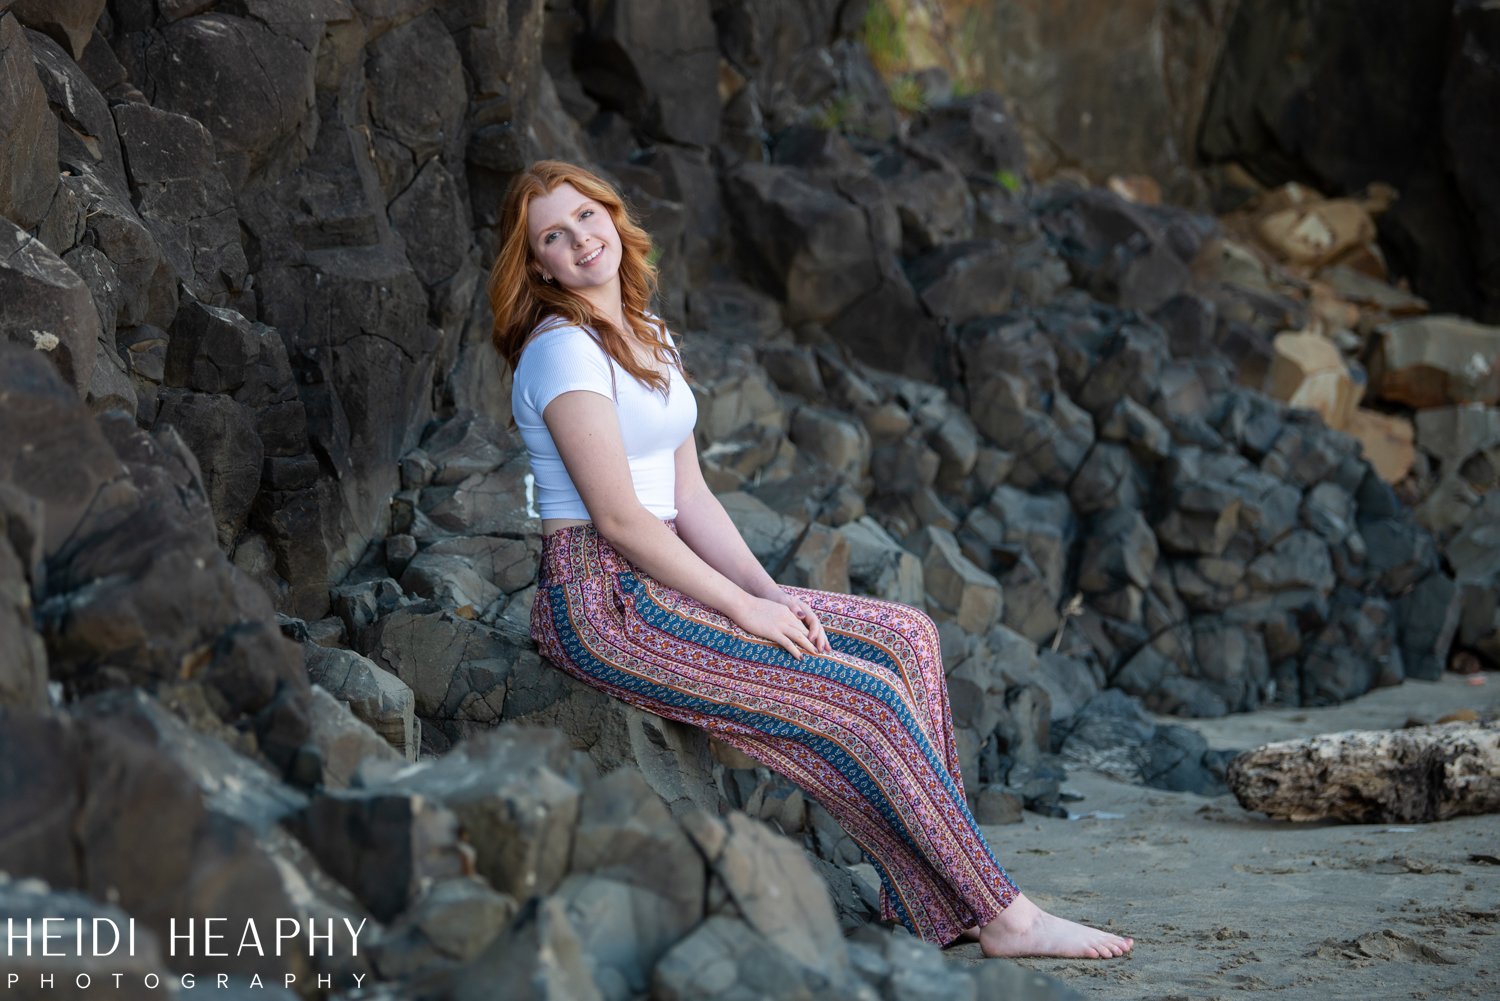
1024	929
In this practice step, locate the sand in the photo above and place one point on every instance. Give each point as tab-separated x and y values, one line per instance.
1224	903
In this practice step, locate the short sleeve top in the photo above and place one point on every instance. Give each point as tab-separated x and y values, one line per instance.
564	357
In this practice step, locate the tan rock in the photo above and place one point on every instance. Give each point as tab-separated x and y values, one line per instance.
1317	234
1429	361
1141	189
1307	371
1332	310
1389	442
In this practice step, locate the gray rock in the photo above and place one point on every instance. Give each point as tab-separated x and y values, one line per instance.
343	739
1031	604
994	806
774	890
226	854
200	67
819	245
1201	519
28	902
769	535
29	136
964	279
517	793
448	924
365	355
837	439
920	973
1040	525
956	588
725	959
451	580
673	758
657	64
820	561
372	694
385	847
456	667
1111	734
1092	226
183	199
70	22
1133	424
977	133
221	433
48	307
879	566
23	655
637	883
1108	477
539	958
1120	550
1299	560
930	196
1126	366
1427	619
413	121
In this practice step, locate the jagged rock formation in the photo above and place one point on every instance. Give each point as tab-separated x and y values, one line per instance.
262	518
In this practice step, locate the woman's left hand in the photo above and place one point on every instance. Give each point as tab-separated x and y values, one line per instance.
809	618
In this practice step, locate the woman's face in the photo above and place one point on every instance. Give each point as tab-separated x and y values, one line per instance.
573	238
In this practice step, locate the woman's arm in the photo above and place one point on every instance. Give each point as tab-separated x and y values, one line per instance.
708	530
586	430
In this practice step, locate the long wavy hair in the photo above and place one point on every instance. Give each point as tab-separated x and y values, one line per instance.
521	301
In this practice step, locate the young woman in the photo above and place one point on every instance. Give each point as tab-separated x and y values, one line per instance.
648	592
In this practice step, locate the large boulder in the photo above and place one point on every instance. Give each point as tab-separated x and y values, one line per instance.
48	307
28	132
1433	361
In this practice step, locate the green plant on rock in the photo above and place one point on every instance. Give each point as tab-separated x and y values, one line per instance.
884	37
1008	180
907	95
836	115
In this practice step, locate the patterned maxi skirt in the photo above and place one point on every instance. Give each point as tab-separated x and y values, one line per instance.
865	731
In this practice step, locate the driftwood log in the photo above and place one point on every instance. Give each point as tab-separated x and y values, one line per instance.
1374	776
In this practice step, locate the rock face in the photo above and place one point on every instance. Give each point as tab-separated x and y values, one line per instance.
269	549
1427	136
1374	777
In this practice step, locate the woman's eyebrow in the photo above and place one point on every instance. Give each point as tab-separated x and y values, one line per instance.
583	205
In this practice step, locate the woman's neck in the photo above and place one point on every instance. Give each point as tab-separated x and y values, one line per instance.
607	303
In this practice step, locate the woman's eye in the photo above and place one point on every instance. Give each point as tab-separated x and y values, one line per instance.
585	213
548	237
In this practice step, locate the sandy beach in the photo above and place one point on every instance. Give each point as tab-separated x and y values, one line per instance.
1223	902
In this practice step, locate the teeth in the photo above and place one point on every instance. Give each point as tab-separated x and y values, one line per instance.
590	257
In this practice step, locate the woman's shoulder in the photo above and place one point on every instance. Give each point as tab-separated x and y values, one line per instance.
555	335
661	325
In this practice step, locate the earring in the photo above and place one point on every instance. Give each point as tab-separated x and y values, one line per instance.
547	279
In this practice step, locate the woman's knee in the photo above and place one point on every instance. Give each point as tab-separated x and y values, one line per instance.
912	623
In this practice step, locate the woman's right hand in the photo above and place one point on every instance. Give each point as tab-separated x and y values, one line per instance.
776	622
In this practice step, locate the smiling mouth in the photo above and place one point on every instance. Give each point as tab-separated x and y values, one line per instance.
589	257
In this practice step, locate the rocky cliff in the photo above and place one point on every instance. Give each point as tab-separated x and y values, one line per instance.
267	554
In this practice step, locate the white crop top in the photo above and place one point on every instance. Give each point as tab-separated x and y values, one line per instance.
565	357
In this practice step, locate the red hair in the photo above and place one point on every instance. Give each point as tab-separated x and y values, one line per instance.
520	299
